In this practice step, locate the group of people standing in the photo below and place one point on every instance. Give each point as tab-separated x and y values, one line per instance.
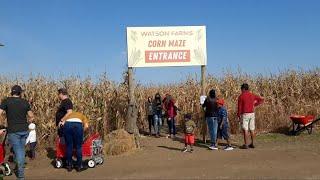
159	109
218	122
216	115
21	129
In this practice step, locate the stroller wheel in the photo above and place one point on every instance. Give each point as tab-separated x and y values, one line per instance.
7	170
101	160
91	163
58	163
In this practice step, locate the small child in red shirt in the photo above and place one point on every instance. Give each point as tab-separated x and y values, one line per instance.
189	129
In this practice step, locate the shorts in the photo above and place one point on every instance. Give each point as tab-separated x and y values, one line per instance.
223	133
189	139
248	121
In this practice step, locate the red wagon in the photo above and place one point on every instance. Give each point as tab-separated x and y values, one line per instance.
4	166
92	149
301	123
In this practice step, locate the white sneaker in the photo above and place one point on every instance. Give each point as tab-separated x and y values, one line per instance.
228	148
185	150
213	148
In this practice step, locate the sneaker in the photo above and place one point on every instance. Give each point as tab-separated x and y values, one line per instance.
69	168
213	147
185	149
244	147
251	146
228	148
191	150
80	169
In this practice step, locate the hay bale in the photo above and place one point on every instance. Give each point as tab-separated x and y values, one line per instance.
119	142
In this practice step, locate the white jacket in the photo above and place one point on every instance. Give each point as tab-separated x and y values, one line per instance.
32	137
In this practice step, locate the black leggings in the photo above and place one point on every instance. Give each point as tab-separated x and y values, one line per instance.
150	121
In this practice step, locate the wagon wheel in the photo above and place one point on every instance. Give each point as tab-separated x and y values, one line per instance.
91	163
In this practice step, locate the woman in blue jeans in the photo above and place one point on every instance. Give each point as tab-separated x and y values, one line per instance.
73	127
157	114
17	110
211	113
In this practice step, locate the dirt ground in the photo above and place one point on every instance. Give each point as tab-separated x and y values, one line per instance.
277	156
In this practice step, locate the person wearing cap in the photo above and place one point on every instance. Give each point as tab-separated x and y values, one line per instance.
65	109
211	113
73	126
17	110
223	125
246	105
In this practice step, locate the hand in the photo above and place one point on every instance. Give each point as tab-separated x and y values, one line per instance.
61	123
221	126
2	131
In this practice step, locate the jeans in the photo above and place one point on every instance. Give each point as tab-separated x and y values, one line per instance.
157	122
18	141
171	126
213	128
73	134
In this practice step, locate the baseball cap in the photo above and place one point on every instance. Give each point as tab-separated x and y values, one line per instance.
220	102
16	89
63	91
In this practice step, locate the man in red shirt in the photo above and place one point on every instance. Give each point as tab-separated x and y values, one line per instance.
246	104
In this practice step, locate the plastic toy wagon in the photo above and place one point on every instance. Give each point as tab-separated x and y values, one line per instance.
4	166
92	149
301	123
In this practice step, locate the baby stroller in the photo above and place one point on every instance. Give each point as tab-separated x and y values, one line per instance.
4	166
92	149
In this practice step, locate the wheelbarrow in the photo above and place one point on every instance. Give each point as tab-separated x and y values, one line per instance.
301	123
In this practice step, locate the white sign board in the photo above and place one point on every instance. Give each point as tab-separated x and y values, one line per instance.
166	46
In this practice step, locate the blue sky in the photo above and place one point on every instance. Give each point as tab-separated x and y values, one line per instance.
82	37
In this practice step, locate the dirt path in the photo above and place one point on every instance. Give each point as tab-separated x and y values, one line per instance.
277	157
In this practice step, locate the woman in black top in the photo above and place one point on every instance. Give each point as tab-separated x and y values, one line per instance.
211	113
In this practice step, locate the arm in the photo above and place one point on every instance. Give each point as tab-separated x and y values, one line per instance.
258	100
204	104
69	111
239	107
28	139
85	122
194	127
3	107
1	112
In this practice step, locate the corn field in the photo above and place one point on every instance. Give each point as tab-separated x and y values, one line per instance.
105	102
